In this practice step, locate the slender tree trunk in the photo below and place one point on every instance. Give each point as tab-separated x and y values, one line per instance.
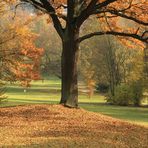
146	61
69	60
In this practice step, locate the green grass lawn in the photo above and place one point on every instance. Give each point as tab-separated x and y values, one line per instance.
132	114
48	92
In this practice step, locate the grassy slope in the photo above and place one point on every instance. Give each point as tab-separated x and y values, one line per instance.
49	93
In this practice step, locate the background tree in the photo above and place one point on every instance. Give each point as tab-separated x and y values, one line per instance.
51	43
19	58
111	63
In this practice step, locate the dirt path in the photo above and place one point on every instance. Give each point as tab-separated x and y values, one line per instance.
58	127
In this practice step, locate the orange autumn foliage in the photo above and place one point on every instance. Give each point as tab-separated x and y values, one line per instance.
21	57
29	69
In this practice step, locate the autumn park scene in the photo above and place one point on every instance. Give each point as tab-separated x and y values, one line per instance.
73	74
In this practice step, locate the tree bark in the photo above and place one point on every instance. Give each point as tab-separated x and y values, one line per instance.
69	60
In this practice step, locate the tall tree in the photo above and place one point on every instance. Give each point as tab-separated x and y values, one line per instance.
68	16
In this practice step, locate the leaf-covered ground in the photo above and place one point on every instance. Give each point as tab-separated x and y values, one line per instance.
58	127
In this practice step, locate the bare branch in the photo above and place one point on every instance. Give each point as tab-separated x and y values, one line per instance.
36	4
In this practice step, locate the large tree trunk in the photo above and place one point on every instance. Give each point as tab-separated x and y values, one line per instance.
69	60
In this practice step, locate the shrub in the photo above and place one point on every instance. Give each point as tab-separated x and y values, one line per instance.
102	88
127	94
122	95
137	89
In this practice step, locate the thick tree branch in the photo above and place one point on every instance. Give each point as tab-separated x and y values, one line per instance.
120	14
57	24
86	13
70	6
45	6
135	36
91	8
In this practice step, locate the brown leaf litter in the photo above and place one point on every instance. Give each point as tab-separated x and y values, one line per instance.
55	126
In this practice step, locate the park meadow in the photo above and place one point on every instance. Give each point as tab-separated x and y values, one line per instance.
73	73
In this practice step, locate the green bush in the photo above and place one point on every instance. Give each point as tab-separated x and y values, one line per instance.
102	87
127	94
137	89
122	95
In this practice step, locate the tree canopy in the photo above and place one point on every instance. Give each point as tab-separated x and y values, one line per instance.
109	11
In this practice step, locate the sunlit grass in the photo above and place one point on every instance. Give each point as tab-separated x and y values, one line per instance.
48	90
133	114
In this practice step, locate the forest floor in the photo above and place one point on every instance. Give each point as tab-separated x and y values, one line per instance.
58	127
